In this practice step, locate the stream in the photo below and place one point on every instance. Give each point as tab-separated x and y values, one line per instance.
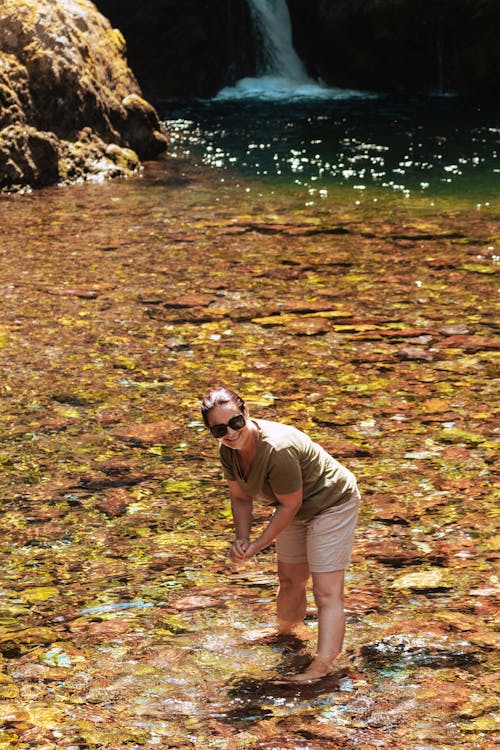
365	316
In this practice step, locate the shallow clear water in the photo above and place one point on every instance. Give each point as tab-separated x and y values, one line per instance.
437	147
365	317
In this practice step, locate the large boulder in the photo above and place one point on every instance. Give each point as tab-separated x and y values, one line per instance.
70	107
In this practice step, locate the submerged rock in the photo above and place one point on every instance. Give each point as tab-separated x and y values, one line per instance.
145	434
430	649
70	108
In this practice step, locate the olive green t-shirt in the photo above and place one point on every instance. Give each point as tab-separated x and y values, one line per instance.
286	460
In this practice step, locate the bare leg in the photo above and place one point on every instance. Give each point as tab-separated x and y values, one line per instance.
328	589
291	599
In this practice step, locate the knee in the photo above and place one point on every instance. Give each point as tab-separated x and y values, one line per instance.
328	597
290	583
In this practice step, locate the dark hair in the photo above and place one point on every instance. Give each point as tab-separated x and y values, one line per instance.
217	397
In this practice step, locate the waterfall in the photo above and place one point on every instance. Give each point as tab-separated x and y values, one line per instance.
281	73
274	27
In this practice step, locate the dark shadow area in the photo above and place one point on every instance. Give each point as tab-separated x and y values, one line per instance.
251	698
195	48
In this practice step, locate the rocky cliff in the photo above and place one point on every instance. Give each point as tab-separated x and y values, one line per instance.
185	49
70	107
407	46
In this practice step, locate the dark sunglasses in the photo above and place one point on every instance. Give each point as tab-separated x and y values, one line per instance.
235	423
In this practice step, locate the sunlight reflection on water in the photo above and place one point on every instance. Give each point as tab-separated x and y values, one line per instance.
432	146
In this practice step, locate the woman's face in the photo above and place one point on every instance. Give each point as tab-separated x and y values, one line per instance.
236	439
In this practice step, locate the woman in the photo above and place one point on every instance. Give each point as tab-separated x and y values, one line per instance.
316	502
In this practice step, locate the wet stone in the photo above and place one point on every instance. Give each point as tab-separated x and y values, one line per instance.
196	602
345	449
151	298
74	292
108	628
33	672
96	480
388	509
454	329
308	327
115	502
430	579
423	649
176	345
146	434
416	353
469	343
400	553
54	424
191	300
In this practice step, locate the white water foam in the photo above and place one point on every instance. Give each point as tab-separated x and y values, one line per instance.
276	88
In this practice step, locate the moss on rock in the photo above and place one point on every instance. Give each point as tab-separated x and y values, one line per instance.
70	107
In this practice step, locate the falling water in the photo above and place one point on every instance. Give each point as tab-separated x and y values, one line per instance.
272	20
281	74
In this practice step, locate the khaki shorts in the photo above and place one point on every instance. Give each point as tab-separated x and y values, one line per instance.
324	541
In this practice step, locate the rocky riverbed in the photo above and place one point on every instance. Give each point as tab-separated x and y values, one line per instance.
370	325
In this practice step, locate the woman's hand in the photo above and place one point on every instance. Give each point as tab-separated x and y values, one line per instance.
238	549
252	549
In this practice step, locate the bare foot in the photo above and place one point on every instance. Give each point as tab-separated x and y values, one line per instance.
259	634
298	629
318	669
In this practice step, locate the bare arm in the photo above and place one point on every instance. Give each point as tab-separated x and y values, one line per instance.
288	507
242	510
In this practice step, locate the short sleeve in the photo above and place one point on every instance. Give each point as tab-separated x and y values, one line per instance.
227	465
285	475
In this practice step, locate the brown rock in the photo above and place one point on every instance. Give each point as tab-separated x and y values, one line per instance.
454	329
115	503
399	553
54	424
389	509
196	602
192	300
69	105
441	263
74	292
308	326
470	487
11	715
45	513
114	626
365	598
457	453
108	416
100	480
165	656
117	467
46	531
344	449
469	343
28	156
143	130
145	434
33	672
415	352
